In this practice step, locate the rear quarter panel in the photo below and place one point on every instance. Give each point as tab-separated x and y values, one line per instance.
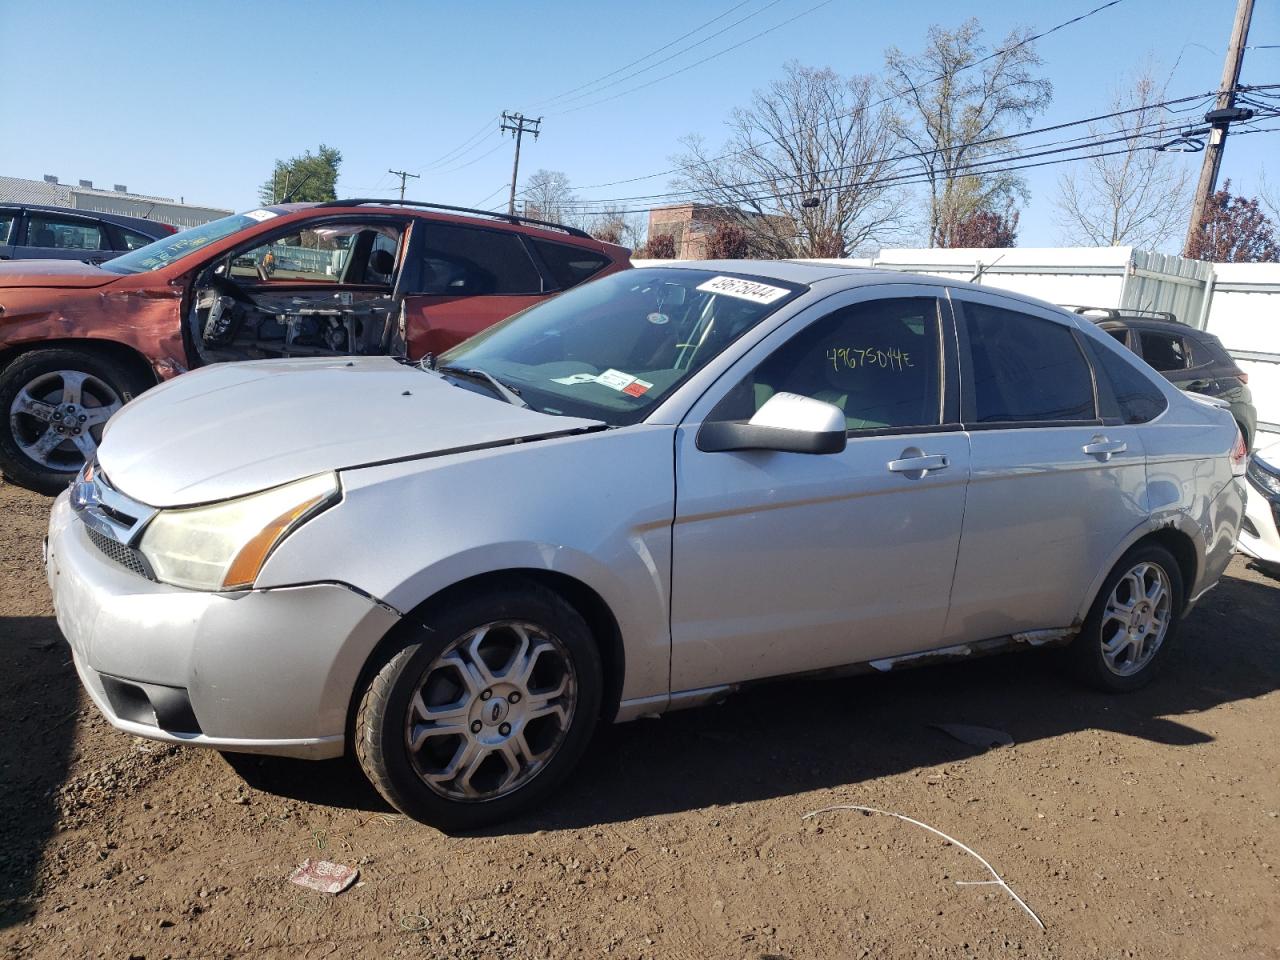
1189	481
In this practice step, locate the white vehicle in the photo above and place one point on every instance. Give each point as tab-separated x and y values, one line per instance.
632	498
1260	532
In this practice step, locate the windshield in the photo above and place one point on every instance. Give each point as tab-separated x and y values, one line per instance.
614	348
174	247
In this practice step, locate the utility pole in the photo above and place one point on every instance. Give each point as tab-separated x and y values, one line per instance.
518	124
1220	118
403	176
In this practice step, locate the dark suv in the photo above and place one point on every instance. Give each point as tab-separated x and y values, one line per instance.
31	232
347	277
1190	359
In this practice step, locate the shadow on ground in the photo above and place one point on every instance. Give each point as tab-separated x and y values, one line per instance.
801	735
39	699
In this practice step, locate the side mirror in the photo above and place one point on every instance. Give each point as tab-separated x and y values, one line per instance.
787	423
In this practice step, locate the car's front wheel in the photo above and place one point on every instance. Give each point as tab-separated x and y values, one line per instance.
1127	635
55	403
483	709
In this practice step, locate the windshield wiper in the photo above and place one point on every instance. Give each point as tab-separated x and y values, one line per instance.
498	387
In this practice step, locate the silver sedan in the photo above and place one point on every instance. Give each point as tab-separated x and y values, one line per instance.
633	498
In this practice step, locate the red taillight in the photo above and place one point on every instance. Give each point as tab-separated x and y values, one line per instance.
1239	455
168	227
1242	377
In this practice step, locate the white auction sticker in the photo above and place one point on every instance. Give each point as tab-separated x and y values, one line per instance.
743	289
615	379
575	378
261	215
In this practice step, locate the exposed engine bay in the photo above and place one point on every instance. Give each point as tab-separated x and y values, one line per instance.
228	322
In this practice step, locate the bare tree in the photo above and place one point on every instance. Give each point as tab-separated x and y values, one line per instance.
958	104
615	225
548	196
1138	198
799	173
1270	198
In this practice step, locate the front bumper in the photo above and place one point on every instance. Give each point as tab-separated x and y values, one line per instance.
1260	533
259	671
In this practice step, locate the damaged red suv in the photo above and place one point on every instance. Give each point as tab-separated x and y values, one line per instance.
340	278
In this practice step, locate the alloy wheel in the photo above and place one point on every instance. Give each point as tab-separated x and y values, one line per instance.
1136	619
57	418
490	712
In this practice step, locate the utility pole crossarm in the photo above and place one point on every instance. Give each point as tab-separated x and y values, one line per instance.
518	125
403	175
1219	119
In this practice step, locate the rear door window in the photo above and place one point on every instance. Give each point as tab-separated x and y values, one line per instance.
132	241
1165	351
567	264
1023	369
466	262
64	233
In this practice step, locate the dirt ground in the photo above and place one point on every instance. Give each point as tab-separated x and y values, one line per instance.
1141	826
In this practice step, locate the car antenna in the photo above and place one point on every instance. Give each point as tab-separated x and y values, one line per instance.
302	183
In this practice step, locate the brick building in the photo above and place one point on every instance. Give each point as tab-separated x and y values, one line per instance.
690	225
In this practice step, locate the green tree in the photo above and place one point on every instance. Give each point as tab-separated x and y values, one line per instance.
311	177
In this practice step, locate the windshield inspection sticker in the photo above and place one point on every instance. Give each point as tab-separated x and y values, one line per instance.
261	215
637	388
615	379
743	289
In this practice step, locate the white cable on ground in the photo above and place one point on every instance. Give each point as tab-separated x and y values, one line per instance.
998	881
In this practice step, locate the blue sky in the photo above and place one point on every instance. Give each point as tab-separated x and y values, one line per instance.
196	100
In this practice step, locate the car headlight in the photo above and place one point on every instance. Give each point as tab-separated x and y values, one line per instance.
1264	476
224	545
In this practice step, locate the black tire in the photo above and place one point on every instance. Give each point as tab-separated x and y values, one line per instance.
16	465
379	733
1086	652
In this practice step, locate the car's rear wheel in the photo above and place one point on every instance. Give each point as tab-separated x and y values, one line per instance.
484	708
55	404
1127	635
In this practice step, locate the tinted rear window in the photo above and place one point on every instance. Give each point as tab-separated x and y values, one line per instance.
567	264
1132	394
464	261
1025	368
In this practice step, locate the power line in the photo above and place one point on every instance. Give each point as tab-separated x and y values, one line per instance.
923	154
1011	165
471	162
882	101
481	203
459	149
706	59
627	66
680	53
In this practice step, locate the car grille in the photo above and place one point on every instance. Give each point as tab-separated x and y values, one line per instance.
128	557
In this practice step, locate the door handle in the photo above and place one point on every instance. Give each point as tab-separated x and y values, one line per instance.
920	464
1104	448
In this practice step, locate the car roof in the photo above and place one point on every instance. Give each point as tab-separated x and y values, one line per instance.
119	219
447	213
811	272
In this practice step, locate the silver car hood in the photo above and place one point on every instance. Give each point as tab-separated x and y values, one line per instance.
236	428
